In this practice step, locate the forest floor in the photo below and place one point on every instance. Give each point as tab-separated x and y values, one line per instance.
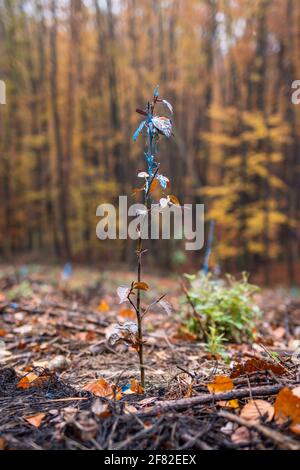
63	386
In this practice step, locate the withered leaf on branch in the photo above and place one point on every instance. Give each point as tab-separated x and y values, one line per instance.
168	105
167	307
127	332
141	286
123	292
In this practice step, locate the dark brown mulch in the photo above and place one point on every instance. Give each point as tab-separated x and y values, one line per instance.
73	424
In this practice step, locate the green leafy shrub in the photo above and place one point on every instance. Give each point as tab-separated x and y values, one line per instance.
223	310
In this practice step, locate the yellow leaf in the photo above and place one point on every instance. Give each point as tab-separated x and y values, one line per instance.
220	384
103	306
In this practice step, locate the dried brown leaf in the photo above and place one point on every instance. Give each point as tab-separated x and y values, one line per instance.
100	388
141	286
35	420
256	365
254	410
287	407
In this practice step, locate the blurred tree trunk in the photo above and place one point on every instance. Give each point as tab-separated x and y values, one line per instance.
63	196
12	133
47	182
293	151
260	104
113	96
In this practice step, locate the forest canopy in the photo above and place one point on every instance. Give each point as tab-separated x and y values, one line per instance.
75	72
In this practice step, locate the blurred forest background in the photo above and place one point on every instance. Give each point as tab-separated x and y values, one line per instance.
76	70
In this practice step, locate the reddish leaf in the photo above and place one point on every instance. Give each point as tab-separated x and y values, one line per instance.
256	365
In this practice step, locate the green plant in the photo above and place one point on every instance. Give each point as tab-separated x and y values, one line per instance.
222	310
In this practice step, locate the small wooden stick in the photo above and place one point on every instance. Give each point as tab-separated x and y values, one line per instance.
282	441
204	399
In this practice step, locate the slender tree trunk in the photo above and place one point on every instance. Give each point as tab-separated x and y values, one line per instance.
63	195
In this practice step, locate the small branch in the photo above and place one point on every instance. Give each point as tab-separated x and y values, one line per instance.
151	181
194	441
184	403
139	315
282	441
152	304
131	303
186	371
